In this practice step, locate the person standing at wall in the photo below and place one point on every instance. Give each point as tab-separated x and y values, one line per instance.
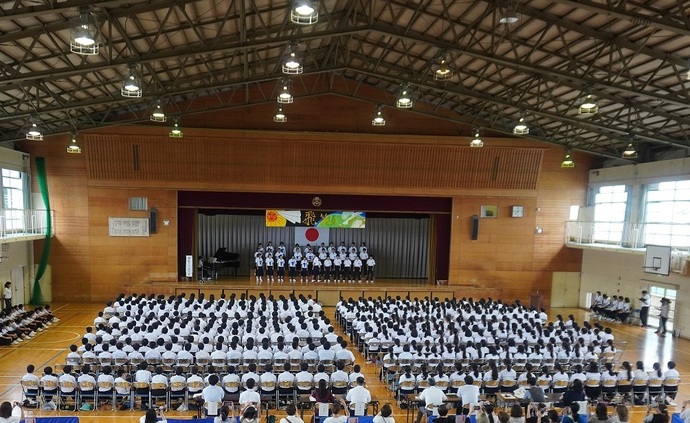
7	295
664	311
645	302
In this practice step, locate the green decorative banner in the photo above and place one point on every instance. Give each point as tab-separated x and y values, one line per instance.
316	218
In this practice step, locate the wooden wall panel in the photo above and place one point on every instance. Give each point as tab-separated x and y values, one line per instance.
356	161
508	255
508	259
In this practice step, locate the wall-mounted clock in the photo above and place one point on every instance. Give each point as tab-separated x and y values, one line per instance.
518	211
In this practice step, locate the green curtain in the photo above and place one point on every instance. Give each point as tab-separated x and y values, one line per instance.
36	296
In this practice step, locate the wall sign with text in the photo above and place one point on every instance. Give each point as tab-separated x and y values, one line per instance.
128	226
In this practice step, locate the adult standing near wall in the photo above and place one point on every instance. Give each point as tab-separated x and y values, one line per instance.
645	302
664	311
7	295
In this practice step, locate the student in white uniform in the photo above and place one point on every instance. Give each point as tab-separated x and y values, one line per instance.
327	266
347	267
337	268
259	263
292	269
304	270
269	267
357	269
371	264
280	263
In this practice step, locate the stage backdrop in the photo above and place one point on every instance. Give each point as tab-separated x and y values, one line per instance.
400	246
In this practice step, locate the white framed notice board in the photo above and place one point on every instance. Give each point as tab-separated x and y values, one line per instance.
128	226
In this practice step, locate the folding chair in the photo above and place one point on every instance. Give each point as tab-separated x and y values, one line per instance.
122	391
50	393
31	394
286	392
106	392
178	391
68	393
634	318
639	388
88	391
670	387
140	390
158	391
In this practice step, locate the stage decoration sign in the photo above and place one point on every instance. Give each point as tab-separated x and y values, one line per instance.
315	218
128	226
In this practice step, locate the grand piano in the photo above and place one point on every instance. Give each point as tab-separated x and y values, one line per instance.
224	260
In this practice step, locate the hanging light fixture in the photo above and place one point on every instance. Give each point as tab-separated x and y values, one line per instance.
567	160
588	106
131	84
521	127
280	115
158	115
378	119
507	13
292	64
35	132
73	147
477	141
83	38
405	99
175	129
304	12
442	70
630	152
284	95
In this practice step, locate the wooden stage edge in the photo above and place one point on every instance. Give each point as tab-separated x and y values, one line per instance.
326	294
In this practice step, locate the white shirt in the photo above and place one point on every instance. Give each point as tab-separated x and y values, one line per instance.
358	394
645	300
213	393
291	419
250	396
433	395
469	394
380	419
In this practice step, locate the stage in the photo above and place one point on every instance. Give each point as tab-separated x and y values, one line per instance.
327	294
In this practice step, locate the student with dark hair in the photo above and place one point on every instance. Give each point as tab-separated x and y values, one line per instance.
224	415
516	414
292	416
657	414
573	394
571	413
469	394
337	413
600	415
386	415
6	412
212	394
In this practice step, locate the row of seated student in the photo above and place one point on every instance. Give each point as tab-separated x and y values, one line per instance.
456	322
483	352
194	379
18	324
158	329
185	354
596	380
616	307
108	382
541	413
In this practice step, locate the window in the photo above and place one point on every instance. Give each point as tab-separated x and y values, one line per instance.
667	214
610	204
13	199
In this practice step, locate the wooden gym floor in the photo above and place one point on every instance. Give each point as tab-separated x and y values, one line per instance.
50	347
